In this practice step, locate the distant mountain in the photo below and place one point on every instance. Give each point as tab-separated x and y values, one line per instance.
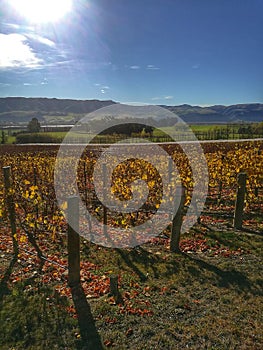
252	112
21	109
17	110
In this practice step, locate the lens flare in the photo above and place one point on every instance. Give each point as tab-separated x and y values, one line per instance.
41	11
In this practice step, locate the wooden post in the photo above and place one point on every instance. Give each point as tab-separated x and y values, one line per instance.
239	207
85	184
114	285
104	171
170	169
170	180
177	224
220	181
11	207
73	242
114	289
35	184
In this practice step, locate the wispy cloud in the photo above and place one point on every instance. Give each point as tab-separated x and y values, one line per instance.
23	51
103	88
135	67
16	53
41	39
196	66
152	67
135	103
4	84
16	26
168	97
44	82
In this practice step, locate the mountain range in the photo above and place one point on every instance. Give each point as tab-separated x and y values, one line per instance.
17	110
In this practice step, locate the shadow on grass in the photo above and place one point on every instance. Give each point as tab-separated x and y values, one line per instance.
237	239
143	257
248	230
3	284
225	278
140	258
89	334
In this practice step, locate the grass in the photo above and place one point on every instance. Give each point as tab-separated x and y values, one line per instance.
33	317
201	128
197	300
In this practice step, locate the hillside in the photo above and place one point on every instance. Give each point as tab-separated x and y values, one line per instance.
219	114
20	109
16	110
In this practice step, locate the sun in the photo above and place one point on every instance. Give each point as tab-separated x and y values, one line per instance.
41	11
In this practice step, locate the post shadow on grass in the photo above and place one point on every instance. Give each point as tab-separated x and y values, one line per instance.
248	230
90	337
3	284
89	334
140	256
226	278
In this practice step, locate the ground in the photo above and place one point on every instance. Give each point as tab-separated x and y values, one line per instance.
207	297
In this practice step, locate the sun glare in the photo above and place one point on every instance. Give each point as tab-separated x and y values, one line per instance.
40	11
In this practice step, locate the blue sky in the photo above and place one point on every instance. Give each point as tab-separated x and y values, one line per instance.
199	52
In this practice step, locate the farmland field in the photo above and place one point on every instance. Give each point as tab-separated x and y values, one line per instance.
209	296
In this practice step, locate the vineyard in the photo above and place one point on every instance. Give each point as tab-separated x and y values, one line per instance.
40	242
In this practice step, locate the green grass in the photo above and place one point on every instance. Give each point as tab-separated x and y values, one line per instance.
56	134
198	300
33	317
10	139
210	302
207	127
79	136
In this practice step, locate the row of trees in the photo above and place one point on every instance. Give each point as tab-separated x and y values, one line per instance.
140	128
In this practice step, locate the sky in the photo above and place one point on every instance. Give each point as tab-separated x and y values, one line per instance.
198	52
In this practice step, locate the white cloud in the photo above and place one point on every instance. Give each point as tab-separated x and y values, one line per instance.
152	67
41	39
11	25
196	66
16	53
135	103
134	67
16	26
168	97
103	88
44	82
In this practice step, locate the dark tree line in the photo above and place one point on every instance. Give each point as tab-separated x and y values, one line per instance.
128	129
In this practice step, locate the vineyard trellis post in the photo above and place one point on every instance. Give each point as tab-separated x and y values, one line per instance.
73	241
104	172
240	199
114	289
35	184
11	207
177	224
